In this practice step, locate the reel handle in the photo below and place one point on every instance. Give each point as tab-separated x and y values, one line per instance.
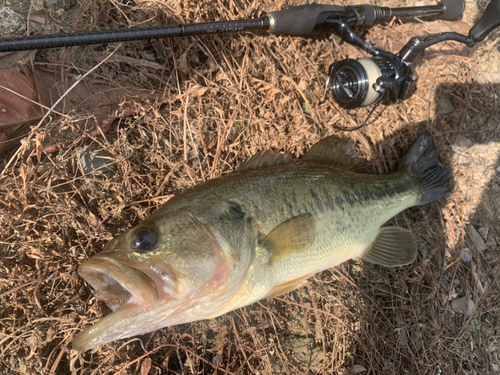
489	21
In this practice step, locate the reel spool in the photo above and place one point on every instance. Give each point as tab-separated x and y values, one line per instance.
361	82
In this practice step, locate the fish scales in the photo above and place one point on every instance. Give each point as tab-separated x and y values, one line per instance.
346	205
261	232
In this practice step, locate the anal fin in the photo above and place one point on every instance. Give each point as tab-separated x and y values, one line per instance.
288	286
392	247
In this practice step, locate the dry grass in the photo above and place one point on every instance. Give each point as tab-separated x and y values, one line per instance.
218	100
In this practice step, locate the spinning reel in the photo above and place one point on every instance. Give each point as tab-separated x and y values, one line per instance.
365	81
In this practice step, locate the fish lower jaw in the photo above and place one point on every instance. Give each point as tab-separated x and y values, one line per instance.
119	324
131	320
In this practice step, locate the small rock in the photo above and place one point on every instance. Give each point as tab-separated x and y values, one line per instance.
478	240
487	317
445	106
416	335
95	160
63	4
37	5
444	284
357	369
456	282
464	142
483	231
11	23
216	360
463	305
303	351
466	255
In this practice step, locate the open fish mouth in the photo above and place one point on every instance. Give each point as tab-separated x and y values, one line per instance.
131	294
118	284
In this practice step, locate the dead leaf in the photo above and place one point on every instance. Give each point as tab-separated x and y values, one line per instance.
92	100
19	108
357	369
183	62
18	104
146	366
302	84
22	172
4	143
198	91
9	59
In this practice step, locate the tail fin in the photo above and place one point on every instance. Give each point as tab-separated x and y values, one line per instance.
422	162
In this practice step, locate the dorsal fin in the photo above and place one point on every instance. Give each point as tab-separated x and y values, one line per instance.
335	151
294	235
266	158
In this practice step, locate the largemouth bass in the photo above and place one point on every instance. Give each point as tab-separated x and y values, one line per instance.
260	232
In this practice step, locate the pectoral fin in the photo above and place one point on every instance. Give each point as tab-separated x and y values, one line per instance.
392	247
294	235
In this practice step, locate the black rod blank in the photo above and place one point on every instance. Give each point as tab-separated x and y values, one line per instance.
122	35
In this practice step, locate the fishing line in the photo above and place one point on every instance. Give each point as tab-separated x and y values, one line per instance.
354	128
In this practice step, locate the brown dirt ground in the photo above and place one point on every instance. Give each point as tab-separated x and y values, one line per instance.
217	100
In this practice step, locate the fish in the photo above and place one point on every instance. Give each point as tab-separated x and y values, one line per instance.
256	233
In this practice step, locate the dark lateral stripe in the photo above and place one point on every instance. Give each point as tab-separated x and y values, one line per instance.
352	197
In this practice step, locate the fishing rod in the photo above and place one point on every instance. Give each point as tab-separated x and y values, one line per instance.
353	83
298	20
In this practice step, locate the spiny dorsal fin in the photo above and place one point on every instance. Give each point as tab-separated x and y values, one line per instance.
266	158
335	151
392	247
294	235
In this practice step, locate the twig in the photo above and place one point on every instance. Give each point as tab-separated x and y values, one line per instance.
16	288
176	347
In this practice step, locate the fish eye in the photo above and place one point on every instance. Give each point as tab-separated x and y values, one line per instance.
144	240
